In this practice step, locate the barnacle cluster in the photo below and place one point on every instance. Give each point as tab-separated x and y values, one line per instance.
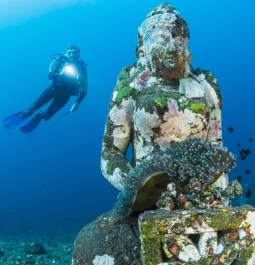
211	197
191	166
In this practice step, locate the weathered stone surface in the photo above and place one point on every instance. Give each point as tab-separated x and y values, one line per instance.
159	100
118	239
200	236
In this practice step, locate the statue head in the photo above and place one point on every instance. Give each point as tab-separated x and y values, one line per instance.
163	40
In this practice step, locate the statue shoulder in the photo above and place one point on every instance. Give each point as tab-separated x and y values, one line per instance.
210	78
127	72
123	90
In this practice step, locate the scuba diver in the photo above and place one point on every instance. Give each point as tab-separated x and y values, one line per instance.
69	78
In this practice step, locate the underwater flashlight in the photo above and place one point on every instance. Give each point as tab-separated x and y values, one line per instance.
70	71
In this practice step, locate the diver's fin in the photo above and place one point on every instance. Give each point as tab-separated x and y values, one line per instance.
13	120
31	125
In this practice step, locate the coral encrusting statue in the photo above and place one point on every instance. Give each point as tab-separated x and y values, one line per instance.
160	99
176	183
191	166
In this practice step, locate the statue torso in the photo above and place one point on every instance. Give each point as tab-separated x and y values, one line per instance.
163	112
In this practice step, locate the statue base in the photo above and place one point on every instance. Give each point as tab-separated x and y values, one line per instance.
198	236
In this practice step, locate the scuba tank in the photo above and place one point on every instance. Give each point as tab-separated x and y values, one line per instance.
56	59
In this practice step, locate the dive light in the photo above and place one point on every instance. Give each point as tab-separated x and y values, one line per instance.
70	70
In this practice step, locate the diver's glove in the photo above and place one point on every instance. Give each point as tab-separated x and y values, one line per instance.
74	107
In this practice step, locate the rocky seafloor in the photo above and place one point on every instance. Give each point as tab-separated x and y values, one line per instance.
35	250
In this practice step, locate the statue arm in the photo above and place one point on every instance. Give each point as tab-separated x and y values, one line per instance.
215	123
117	137
214	99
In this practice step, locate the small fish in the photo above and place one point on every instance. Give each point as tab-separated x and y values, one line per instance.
250	140
231	129
244	153
239	145
239	178
248	193
247	171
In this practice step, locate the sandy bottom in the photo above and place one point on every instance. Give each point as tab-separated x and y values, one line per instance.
33	250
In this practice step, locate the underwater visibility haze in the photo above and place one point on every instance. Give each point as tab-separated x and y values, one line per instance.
51	180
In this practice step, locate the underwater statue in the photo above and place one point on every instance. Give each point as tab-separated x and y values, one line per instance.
159	100
173	202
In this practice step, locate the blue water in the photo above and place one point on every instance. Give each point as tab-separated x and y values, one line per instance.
51	179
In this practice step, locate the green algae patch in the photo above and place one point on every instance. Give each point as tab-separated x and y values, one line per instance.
149	230
161	100
124	91
151	241
123	75
223	221
196	107
246	254
110	169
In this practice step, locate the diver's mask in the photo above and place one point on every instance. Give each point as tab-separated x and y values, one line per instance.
73	54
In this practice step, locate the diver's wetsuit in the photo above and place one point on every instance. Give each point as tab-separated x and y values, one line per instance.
62	87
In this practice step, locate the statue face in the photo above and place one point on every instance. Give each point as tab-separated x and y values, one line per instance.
165	43
168	56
